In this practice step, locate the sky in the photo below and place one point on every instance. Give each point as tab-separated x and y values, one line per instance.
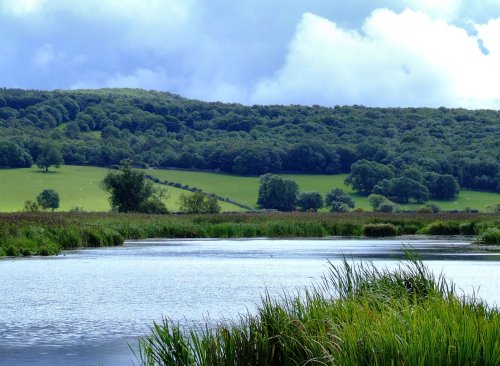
383	53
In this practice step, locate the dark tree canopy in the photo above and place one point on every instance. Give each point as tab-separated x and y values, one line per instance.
14	156
309	201
402	190
131	191
442	186
367	174
157	129
48	199
278	193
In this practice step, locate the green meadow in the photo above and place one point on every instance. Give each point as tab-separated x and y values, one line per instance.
245	189
78	186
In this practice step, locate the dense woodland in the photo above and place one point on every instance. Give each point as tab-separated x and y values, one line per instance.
155	129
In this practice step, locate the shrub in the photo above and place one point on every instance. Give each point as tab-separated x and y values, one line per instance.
467	228
443	228
12	251
379	230
490	236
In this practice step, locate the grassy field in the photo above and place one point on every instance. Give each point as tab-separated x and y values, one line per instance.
245	189
77	187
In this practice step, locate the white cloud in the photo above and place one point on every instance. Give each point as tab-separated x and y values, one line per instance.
20	7
400	59
142	78
443	9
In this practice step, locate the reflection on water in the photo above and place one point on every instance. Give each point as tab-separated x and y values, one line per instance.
82	308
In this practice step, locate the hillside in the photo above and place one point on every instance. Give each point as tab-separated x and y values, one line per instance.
156	129
77	187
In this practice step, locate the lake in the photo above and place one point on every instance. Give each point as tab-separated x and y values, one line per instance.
86	307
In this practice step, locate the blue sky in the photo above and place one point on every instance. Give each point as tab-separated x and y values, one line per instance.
372	52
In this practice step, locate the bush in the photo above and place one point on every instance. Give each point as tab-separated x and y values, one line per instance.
443	228
12	251
379	230
491	236
387	207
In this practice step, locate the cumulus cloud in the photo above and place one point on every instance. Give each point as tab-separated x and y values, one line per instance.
398	59
437	52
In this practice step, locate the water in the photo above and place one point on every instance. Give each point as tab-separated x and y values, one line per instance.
86	307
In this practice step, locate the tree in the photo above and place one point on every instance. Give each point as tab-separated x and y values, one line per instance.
381	204
14	156
366	174
442	186
402	190
339	201
49	155
198	202
310	201
132	192
48	199
278	193
376	200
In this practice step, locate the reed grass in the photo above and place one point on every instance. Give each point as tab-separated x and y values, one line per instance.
49	233
357	315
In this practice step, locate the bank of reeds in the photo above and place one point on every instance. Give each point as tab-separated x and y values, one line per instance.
358	315
49	233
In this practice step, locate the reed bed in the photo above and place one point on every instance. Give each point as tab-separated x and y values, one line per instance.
357	315
49	233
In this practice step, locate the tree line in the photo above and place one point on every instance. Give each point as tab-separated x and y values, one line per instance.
421	149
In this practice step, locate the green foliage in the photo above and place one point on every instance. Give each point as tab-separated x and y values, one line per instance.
14	156
309	201
339	201
48	155
132	192
443	228
402	190
358	315
103	127
379	230
47	199
380	203
198	202
365	175
442	186
41	232
278	193
31	206
490	236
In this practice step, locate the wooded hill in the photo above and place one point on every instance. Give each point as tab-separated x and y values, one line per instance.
103	127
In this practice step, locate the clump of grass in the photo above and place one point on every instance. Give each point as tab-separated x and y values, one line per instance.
490	236
380	230
443	228
358	315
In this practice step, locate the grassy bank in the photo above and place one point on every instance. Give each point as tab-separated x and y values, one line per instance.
358	315
49	233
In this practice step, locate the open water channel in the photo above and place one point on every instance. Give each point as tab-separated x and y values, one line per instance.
88	307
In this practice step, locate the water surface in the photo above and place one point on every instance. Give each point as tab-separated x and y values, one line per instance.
86	306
